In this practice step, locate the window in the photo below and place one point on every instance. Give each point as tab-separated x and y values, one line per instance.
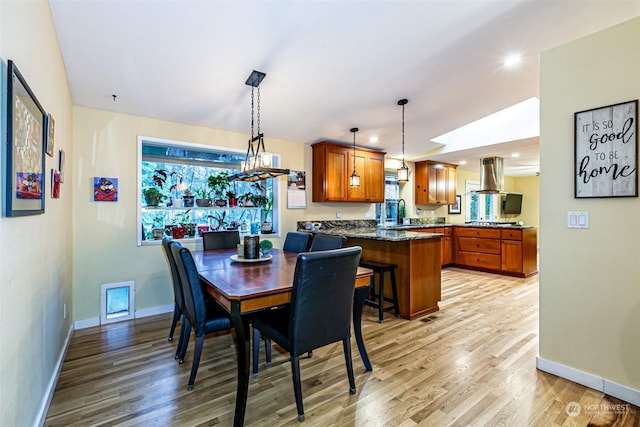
387	212
187	167
480	207
117	302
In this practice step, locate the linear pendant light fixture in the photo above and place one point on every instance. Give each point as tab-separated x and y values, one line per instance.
257	163
354	179
403	171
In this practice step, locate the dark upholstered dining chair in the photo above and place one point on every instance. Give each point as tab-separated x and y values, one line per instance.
220	239
324	242
296	241
178	309
203	318
321	280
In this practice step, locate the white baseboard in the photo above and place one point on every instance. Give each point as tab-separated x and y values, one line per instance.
95	321
51	386
155	310
87	323
595	382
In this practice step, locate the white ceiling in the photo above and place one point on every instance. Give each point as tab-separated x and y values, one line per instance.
330	65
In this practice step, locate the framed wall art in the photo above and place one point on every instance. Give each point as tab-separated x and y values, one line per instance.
105	189
456	208
24	157
61	164
606	151
49	133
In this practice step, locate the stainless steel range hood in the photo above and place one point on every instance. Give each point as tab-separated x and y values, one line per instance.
491	175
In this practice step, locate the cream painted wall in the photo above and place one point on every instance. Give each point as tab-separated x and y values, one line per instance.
589	289
35	251
105	248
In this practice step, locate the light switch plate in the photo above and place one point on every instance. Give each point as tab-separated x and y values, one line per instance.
577	219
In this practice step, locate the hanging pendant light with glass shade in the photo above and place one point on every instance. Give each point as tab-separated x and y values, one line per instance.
403	171
257	163
354	179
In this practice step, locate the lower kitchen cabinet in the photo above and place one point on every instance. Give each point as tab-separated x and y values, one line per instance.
511	251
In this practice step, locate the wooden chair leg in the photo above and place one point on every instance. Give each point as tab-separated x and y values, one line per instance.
394	289
196	361
346	345
297	387
176	315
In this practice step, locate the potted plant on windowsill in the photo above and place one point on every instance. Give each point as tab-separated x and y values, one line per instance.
153	196
219	184
233	198
204	197
188	199
266	204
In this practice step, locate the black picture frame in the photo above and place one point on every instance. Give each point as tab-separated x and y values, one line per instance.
606	151
25	151
457	207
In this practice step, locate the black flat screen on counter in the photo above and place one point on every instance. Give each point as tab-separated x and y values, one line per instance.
512	204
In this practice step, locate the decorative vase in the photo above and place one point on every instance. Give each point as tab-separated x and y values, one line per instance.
203	203
158	233
266	227
251	247
233	202
221	203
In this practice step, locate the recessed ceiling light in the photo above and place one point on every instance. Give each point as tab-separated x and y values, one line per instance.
515	155
512	60
373	139
463	162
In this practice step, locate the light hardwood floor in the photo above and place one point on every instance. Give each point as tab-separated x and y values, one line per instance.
470	364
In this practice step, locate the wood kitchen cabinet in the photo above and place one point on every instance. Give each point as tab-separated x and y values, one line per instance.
332	166
511	251
435	183
446	244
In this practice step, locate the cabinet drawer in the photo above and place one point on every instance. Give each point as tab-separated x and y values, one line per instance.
473	244
448	231
511	234
477	259
487	233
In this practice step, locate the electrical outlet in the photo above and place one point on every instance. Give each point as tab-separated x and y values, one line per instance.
338	214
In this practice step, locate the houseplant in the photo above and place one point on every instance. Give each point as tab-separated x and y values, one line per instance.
265	247
233	198
219	184
153	195
187	198
203	199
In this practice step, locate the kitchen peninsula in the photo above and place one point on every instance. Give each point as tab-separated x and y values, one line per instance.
417	255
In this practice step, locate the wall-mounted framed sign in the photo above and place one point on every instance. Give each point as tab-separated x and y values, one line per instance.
606	151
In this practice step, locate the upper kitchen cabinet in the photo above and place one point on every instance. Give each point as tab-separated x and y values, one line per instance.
435	183
334	163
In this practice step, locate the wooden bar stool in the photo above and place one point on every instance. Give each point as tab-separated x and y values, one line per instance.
380	268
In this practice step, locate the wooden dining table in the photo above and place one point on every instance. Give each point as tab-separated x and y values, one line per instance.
244	288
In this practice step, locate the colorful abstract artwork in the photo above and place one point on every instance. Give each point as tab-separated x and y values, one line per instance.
28	185
105	189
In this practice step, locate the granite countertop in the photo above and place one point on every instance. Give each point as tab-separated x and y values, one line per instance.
369	229
379	234
422	226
